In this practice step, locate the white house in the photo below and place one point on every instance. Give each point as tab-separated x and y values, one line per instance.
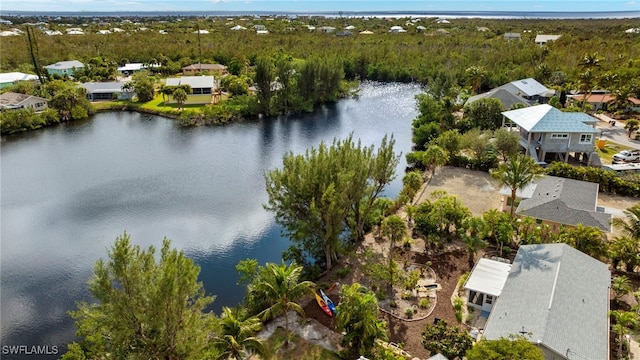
11	100
544	39
485	283
8	79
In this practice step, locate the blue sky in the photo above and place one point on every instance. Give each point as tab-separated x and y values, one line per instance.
319	5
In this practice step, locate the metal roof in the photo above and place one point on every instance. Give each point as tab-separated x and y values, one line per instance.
194	81
541	38
65	65
488	277
16	76
104	87
530	87
545	118
557	296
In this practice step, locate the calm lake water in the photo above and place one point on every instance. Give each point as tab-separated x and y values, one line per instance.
67	192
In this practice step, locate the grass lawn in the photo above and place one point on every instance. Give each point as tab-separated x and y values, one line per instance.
298	348
610	149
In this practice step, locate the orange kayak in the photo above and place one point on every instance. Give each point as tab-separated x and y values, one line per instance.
323	305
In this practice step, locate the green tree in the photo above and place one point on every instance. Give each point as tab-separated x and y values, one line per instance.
319	196
588	239
358	318
146	308
280	287
626	250
621	286
143	85
631	225
235	337
447	340
485	114
180	96
505	349
515	174
412	182
475	75
264	77
623	321
68	99
433	157
631	126
450	141
506	143
394	228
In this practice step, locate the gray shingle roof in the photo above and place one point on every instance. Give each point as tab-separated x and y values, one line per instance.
561	298
565	201
506	98
545	118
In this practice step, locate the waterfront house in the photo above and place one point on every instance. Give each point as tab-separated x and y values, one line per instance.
114	90
557	298
559	202
545	130
11	100
508	100
8	79
63	68
202	88
530	90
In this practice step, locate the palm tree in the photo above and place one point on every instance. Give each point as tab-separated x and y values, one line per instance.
621	286
433	157
358	318
475	75
631	126
235	337
180	96
626	250
395	229
280	287
630	226
623	320
517	173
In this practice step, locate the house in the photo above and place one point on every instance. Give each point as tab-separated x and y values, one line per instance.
8	79
546	130
485	283
63	68
529	89
397	29
107	91
11	100
558	298
508	100
326	29
600	101
512	36
559	202
215	69
544	39
366	32
52	32
202	87
129	69
238	27
259	27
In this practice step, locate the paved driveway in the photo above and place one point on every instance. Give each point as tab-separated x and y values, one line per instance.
615	133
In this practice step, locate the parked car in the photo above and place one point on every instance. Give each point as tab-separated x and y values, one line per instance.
627	156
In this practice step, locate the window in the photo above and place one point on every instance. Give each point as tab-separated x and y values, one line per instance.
585	138
559	136
489	299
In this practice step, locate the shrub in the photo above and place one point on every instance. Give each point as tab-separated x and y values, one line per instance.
406	295
408	312
424	303
393	304
343	272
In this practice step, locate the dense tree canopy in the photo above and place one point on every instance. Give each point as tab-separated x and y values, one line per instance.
328	191
148	306
505	349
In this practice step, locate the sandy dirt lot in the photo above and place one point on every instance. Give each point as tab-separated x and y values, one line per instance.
477	190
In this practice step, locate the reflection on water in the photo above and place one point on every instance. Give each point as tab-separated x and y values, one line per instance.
68	191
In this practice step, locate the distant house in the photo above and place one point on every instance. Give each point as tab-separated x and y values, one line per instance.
508	100
544	39
213	69
238	27
52	32
544	130
202	88
485	283
8	79
202	31
343	33
107	91
259	27
130	69
11	100
600	101
558	298
326	29
559	202
529	89
63	68
397	29
366	32
512	36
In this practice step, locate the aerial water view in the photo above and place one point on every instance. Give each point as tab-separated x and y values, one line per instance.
393	180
